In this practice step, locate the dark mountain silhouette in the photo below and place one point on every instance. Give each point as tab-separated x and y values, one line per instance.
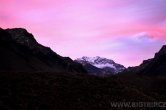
153	66
19	51
157	65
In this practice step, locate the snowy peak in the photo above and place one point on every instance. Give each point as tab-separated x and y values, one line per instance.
96	60
102	63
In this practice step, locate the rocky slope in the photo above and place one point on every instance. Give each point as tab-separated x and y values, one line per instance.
153	66
21	52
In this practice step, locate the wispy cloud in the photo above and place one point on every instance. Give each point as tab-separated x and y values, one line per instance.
92	27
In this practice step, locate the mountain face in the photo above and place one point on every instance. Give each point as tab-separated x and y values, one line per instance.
153	66
157	65
100	66
20	52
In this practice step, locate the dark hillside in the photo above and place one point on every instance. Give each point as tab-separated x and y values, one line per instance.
62	91
21	52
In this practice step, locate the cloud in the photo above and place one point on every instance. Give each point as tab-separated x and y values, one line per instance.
91	27
132	50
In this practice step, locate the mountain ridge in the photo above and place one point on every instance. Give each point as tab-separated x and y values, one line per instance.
21	52
154	66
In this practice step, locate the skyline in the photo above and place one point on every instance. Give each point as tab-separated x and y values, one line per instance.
126	31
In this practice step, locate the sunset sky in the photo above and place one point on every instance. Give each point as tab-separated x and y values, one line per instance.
127	31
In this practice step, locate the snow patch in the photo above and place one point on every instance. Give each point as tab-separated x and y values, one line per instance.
105	65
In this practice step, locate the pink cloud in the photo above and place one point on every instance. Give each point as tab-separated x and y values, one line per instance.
77	28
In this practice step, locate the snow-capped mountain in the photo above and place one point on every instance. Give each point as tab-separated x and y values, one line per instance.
107	66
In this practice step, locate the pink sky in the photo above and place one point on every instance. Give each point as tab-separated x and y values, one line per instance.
127	31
